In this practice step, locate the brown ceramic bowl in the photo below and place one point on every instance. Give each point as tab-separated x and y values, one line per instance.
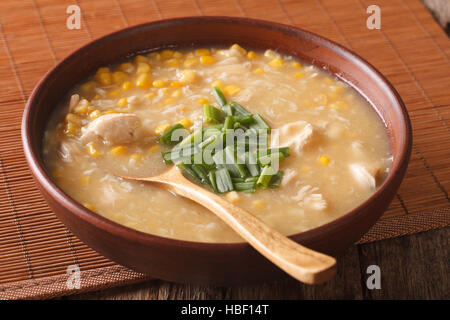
218	263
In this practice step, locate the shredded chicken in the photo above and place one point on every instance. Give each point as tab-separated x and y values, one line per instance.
365	175
294	135
307	196
113	128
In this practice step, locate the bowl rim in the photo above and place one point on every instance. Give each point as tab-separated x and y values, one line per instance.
40	172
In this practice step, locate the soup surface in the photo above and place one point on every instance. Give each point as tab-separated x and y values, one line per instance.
339	151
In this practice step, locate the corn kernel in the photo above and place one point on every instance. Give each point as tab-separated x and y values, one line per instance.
207	60
176	94
126	67
110	111
187	76
122	102
113	93
140	58
88	86
176	84
202	101
84	180
136	157
178	55
154	56
143	67
231	90
119	76
185	122
160	83
341	103
92	150
217	83
172	63
71	128
70	117
94	114
118	150
162	128
182	108
324	160
276	63
271	54
239	48
150	95
202	52
164	91
104	78
258	204
258	71
190	62
337	89
167	54
126	86
252	55
153	148
143	81
82	108
169	101
296	64
233	197
102	70
299	75
89	206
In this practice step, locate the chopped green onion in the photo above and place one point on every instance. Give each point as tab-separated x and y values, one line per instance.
270	158
223	180
259	123
275	182
201	172
212	180
218	94
166	138
187	170
229	122
265	177
239	110
245	186
211	114
228	109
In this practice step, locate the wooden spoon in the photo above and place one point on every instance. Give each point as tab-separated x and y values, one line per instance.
303	264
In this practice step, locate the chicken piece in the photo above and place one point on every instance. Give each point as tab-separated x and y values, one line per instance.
74	100
113	128
365	174
294	135
288	177
308	197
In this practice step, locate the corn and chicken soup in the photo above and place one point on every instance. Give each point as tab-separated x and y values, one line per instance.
335	148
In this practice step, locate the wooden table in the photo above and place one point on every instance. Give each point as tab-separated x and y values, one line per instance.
412	267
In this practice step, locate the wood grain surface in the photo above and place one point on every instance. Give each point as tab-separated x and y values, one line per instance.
410	49
412	267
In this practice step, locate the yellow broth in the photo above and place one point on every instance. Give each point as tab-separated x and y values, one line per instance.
339	166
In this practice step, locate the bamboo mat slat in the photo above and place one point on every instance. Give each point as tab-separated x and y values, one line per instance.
410	49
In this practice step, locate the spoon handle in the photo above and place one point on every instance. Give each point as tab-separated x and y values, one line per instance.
303	264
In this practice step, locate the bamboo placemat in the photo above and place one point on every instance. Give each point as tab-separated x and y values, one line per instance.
410	49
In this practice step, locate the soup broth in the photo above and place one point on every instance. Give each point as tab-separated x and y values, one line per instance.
111	123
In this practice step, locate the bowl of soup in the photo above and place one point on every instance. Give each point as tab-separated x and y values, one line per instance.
338	125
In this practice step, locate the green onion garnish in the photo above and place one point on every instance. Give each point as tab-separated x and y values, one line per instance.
230	153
